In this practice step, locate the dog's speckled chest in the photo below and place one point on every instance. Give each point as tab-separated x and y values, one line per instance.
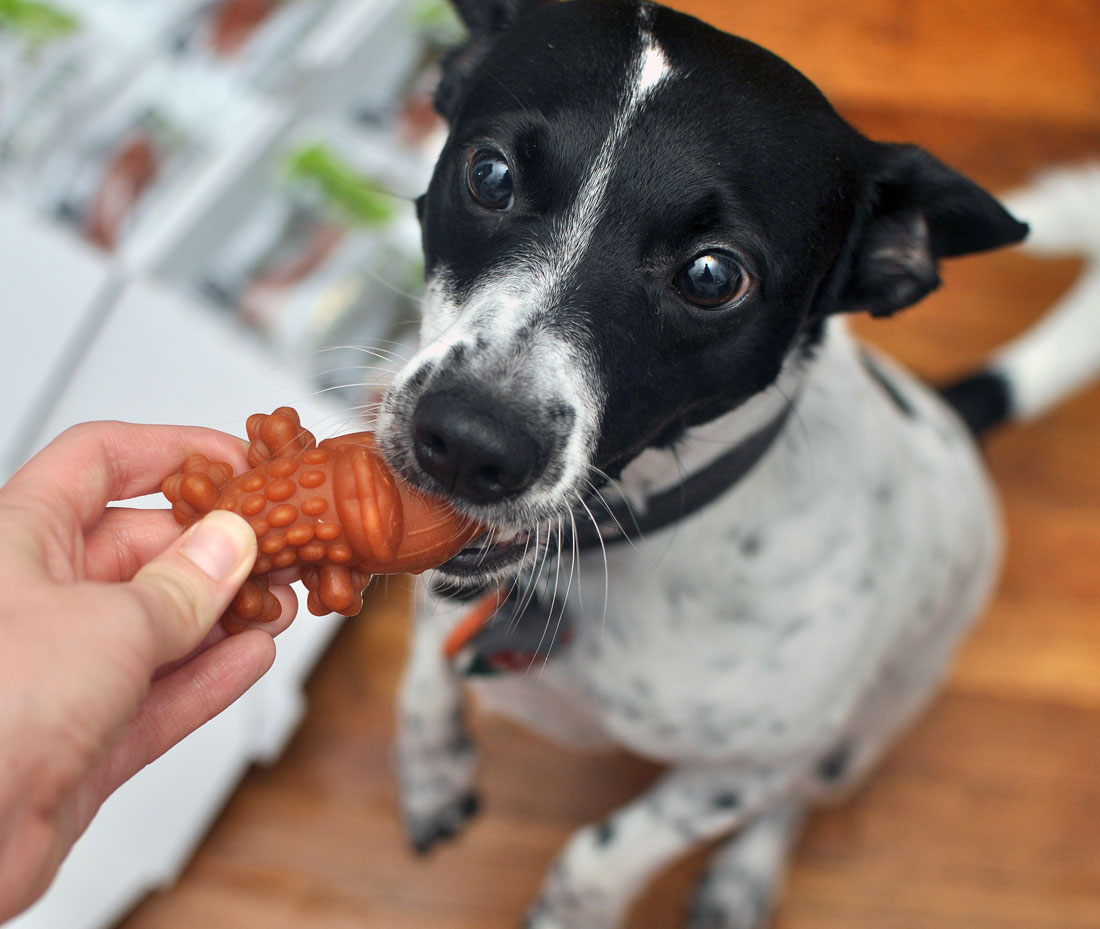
755	627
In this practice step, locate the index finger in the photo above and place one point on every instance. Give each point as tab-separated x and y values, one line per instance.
92	464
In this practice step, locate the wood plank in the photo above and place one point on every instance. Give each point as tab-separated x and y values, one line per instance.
957	831
1029	59
997	151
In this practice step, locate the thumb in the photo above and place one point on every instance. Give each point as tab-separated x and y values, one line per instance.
185	590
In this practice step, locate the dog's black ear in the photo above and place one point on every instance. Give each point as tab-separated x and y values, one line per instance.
485	20
920	211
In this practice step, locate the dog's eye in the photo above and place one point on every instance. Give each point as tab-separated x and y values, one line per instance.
490	179
712	280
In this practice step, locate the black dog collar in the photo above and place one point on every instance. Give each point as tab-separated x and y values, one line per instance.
621	523
509	630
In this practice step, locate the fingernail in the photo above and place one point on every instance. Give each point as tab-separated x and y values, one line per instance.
219	544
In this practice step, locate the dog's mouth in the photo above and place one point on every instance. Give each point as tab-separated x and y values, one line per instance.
488	555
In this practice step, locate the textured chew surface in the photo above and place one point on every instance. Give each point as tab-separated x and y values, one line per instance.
333	509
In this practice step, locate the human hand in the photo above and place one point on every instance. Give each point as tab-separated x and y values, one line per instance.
111	652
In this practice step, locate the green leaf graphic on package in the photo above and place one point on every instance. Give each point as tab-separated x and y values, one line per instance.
341	185
437	20
35	22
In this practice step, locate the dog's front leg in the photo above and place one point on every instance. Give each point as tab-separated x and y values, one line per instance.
604	866
745	875
436	756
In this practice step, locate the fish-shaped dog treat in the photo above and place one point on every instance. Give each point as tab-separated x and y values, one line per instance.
334	510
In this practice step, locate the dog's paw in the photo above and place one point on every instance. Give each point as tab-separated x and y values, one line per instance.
575	915
543	916
446	822
736	901
567	903
538	917
437	792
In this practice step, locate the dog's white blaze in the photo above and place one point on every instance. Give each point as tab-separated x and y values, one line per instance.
439	328
655	68
651	69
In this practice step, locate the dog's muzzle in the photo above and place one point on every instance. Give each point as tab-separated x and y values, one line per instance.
477	451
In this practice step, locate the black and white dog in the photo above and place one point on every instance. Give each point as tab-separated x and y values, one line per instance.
641	240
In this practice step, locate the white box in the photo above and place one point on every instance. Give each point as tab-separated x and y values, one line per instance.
55	291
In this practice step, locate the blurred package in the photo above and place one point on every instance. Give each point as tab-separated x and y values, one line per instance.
53	61
136	152
256	39
60	58
326	265
407	112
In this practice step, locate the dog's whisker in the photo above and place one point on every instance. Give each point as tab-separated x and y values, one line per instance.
531	586
459	531
552	602
503	86
512	597
373	274
575	550
618	487
346	385
542	558
796	415
523	583
358	418
681	476
362	384
488	544
603	553
563	605
542	568
578	560
408	351
626	536
382	354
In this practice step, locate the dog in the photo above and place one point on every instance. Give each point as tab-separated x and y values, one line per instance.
762	541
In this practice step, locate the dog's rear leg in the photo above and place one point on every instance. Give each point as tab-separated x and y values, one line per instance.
604	866
745	875
436	757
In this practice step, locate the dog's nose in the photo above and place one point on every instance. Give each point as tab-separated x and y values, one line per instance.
474	449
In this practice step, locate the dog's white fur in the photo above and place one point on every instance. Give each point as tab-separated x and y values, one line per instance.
812	608
767	648
761	624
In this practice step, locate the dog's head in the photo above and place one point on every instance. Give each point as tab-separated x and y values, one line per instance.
636	222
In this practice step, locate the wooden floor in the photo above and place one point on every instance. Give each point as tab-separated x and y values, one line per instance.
987	816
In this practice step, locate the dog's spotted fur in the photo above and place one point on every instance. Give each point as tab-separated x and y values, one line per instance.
769	647
811	609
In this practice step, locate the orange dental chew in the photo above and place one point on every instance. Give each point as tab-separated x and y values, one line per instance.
334	510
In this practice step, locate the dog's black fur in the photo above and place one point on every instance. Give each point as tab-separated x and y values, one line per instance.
746	155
